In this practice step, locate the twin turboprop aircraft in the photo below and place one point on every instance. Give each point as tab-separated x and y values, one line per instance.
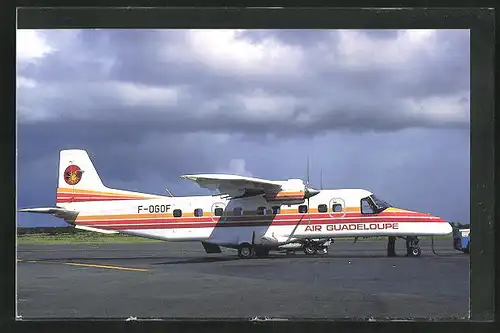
251	215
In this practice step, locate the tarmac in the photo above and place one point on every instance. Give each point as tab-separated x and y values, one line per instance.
179	280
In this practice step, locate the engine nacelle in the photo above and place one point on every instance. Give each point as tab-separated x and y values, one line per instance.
293	191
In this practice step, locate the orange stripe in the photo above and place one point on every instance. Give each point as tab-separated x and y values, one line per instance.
64	190
191	214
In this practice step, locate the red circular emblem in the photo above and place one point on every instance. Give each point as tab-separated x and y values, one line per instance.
72	175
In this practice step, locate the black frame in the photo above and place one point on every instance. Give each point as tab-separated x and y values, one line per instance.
479	20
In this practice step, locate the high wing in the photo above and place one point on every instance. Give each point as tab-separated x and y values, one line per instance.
235	186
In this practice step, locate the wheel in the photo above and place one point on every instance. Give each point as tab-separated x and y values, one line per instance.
416	252
309	249
261	252
245	251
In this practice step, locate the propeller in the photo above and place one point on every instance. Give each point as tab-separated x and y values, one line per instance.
308	190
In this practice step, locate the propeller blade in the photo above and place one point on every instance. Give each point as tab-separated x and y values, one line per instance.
308	216
307	181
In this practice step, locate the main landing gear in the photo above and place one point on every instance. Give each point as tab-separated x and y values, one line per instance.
313	247
412	248
246	250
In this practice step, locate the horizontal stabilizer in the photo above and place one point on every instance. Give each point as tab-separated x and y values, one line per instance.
211	248
56	211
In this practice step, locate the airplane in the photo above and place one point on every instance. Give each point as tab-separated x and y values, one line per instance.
252	215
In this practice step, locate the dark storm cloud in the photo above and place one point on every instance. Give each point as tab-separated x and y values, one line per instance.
152	105
115	56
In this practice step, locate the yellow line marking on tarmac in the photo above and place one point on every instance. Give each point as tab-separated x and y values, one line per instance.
90	265
105	266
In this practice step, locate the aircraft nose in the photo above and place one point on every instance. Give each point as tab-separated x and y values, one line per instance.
446	226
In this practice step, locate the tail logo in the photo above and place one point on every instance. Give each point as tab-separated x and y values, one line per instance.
72	175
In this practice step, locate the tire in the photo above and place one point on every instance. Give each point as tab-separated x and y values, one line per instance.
416	252
245	251
309	249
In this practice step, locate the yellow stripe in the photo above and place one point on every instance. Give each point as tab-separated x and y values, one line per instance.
190	215
109	267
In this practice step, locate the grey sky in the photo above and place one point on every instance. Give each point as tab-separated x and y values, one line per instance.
383	110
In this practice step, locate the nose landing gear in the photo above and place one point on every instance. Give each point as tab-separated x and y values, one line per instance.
412	248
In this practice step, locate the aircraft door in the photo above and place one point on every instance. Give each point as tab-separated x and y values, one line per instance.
337	208
218	211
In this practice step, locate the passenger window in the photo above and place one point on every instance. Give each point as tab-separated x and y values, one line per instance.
198	212
337	208
303	209
276	210
237	211
366	207
177	213
322	208
218	211
261	211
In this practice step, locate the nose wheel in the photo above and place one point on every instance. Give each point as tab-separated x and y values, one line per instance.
412	247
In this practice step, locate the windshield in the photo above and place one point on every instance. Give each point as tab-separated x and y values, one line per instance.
379	203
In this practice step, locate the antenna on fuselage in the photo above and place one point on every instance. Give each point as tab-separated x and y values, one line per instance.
321	180
169	192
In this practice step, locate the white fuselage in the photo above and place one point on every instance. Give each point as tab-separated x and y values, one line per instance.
331	214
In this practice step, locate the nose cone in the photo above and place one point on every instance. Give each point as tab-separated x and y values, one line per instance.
445	227
310	192
448	228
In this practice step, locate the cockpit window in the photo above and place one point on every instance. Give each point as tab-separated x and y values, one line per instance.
381	204
367	206
373	205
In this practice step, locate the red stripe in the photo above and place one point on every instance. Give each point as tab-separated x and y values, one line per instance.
76	195
296	217
93	198
169	224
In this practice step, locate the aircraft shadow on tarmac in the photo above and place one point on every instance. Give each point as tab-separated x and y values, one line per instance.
229	257
99	258
201	260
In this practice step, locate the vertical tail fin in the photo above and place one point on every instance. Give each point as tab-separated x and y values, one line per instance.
80	182
76	171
